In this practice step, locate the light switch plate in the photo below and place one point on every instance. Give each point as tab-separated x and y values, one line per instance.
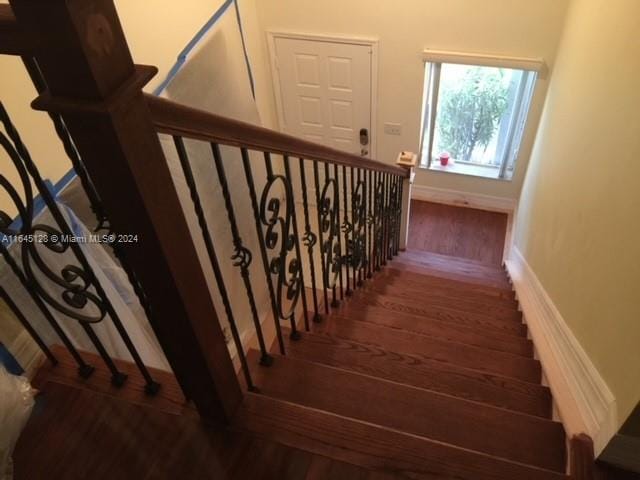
393	129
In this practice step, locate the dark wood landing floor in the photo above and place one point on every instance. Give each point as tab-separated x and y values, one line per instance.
457	231
78	434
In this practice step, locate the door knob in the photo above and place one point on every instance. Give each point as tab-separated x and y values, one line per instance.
364	152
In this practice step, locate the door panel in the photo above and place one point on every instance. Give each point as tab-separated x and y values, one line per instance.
325	89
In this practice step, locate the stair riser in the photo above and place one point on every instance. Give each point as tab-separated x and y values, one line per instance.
469	425
375	448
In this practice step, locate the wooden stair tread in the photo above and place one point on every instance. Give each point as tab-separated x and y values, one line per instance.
374	447
447	261
461	275
430	279
427	301
503	433
459	299
458	291
399	306
467	356
491	339
413	370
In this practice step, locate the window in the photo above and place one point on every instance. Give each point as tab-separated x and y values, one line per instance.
474	118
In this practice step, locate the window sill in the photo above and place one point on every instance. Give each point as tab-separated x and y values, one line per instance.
483	171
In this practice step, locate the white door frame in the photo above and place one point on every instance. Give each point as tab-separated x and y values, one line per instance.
369	42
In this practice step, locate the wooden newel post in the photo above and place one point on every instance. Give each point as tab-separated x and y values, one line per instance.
93	83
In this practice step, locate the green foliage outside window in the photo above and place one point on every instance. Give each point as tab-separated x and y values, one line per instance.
470	110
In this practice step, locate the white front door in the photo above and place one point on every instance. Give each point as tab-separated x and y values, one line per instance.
325	92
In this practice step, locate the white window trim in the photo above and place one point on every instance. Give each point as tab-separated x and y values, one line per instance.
485	60
437	57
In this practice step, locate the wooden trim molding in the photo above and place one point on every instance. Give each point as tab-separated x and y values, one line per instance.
462	199
585	403
488	60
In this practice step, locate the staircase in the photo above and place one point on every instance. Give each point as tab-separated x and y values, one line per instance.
426	372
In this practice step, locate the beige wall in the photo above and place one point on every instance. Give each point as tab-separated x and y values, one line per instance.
150	42
404	29
578	222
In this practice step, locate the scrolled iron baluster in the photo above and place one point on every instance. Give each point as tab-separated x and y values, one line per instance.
338	236
23	162
329	228
347	227
294	224
285	264
378	216
359	225
246	162
370	222
309	239
319	212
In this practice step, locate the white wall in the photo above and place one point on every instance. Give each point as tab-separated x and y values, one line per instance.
577	225
404	29
151	41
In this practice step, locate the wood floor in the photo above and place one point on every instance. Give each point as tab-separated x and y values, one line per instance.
459	232
425	372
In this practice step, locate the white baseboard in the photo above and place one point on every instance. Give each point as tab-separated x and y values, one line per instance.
464	199
584	401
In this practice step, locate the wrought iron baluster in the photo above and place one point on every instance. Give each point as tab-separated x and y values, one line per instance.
320	212
27	326
263	251
84	369
294	220
273	221
358	240
95	203
346	228
370	248
75	295
242	256
378	216
361	190
86	273
337	178
333	251
309	239
211	252
354	221
387	218
397	215
401	199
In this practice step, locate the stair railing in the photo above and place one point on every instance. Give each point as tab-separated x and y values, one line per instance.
325	221
344	210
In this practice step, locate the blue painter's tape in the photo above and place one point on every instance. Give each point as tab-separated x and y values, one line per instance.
244	50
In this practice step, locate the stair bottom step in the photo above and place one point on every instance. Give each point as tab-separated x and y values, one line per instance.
374	447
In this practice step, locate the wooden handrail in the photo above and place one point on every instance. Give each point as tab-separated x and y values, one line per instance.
175	119
13	40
